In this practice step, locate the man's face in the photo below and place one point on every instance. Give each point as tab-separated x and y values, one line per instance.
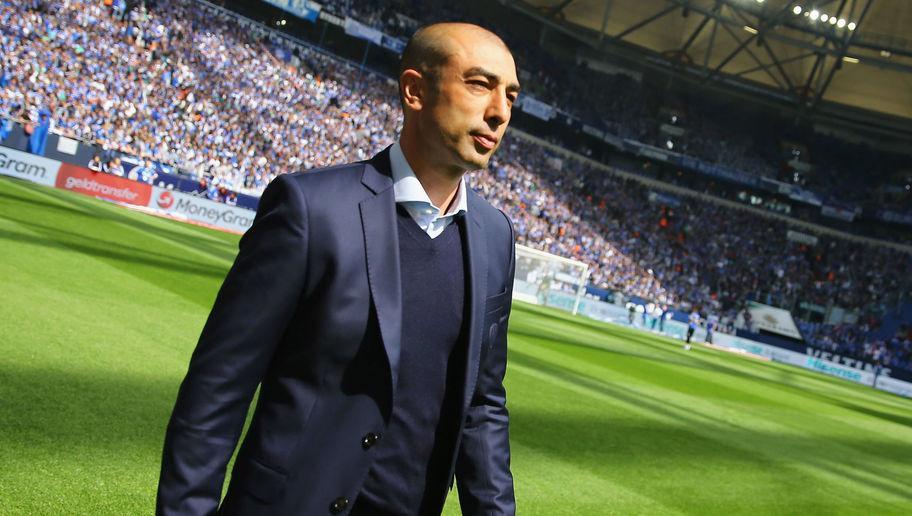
467	109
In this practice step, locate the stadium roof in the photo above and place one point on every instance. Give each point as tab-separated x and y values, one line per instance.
862	59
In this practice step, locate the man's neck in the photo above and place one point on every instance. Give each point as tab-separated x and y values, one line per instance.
440	184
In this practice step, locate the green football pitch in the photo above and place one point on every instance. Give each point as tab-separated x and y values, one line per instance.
100	308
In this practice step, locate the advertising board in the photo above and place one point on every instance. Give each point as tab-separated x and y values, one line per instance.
201	210
105	186
27	166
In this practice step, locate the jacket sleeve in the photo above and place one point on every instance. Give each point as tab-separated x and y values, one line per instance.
250	315
483	460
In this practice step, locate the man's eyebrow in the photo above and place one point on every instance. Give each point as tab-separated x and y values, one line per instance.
491	76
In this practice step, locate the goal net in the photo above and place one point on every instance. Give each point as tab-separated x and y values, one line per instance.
546	279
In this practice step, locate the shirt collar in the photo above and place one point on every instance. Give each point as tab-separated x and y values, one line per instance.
408	189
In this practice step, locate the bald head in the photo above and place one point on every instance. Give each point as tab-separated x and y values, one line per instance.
457	85
431	46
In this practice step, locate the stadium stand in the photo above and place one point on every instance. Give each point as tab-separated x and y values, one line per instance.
745	140
176	85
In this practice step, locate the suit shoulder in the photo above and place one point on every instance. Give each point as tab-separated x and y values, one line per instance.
335	173
492	216
326	186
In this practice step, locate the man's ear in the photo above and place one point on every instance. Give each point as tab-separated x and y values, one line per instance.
411	88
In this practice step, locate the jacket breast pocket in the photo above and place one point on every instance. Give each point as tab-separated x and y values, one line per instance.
495	319
497	302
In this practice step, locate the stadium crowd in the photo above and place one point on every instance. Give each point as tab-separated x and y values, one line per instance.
630	105
185	89
862	341
656	245
179	85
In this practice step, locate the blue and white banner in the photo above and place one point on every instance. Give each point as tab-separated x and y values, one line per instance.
651	151
711	169
801	238
664	198
397	45
794	192
305	9
894	217
592	131
837	212
800	194
331	18
359	30
536	108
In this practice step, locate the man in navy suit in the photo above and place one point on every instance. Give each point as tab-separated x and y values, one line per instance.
369	302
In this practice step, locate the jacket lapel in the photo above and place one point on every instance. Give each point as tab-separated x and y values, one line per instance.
381	243
477	253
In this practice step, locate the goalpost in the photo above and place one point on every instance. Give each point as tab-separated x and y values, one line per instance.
546	279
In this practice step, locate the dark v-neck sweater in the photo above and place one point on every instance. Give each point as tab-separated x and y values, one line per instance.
412	458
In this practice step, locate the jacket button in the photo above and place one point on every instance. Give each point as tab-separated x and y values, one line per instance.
369	440
338	505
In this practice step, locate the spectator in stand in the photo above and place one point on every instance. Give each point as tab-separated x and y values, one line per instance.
6	127
212	191
222	193
202	187
38	132
147	172
95	164
114	168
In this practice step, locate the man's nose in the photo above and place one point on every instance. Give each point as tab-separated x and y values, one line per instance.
498	112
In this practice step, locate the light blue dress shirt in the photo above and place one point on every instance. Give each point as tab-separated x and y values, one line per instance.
413	197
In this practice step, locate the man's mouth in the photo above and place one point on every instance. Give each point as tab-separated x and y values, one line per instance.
488	142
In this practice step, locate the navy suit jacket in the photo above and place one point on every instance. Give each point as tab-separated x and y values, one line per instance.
311	312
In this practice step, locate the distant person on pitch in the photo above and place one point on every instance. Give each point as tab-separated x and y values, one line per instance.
370	303
712	322
663	315
692	323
